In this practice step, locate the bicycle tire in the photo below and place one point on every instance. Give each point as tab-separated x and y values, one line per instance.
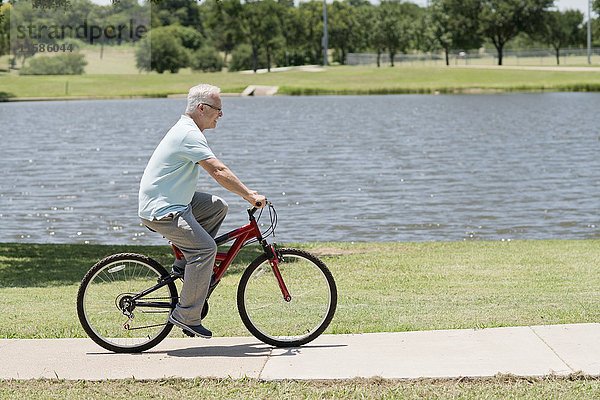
127	269
281	323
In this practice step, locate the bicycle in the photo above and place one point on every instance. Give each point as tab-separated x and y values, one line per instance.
285	297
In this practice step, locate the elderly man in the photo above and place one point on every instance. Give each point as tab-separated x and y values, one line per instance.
170	205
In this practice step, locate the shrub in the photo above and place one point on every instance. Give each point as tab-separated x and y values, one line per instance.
284	57
161	51
207	59
61	64
241	58
73	43
189	37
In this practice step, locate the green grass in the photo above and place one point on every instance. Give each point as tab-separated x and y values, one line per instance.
382	287
385	287
501	387
112	60
335	80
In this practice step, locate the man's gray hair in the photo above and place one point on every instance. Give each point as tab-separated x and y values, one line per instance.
201	93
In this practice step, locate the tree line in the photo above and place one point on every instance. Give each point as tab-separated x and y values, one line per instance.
263	33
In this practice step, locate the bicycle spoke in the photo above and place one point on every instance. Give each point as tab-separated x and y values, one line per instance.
107	308
145	327
276	321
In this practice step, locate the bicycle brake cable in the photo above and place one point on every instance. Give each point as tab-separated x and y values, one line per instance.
255	240
273	220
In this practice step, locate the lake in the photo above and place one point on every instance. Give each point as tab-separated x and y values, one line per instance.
337	168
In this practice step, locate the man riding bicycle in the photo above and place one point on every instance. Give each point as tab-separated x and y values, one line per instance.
170	205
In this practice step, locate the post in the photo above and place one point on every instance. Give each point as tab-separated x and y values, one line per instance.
589	32
325	41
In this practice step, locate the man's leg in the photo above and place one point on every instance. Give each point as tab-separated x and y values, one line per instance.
209	211
199	249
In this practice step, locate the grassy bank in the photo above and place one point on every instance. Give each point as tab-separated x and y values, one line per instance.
334	80
493	388
382	287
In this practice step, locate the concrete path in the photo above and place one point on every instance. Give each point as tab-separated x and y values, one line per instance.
524	351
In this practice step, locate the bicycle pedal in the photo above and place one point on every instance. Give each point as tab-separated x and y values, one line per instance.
188	333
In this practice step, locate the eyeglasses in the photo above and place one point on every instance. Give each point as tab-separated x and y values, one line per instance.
213	107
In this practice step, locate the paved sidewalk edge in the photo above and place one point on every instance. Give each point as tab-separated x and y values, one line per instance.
527	351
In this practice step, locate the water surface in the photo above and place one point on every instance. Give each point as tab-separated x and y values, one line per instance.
350	168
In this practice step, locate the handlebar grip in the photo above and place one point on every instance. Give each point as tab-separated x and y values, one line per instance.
260	203
256	207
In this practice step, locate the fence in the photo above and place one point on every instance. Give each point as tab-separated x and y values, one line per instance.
488	57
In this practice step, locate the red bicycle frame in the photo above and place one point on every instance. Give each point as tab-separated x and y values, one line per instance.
241	236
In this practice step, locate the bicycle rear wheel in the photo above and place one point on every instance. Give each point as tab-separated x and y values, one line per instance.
272	319
109	312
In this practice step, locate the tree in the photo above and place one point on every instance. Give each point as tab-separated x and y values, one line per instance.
454	24
292	51
60	64
261	27
271	29
161	51
20	46
395	27
311	17
250	26
364	12
242	58
343	28
189	37
358	3
183	12
424	33
369	18
502	20
223	22
561	29
4	28
206	59
377	35
596	24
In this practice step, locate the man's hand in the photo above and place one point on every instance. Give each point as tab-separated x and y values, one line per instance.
257	200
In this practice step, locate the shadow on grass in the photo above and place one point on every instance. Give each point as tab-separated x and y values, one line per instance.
27	265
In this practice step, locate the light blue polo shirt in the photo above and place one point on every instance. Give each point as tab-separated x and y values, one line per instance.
170	178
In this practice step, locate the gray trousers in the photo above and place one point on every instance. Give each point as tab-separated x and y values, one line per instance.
193	231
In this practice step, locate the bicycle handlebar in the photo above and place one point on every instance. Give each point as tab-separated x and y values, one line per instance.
254	209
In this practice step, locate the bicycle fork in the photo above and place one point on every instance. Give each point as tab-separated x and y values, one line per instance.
274	259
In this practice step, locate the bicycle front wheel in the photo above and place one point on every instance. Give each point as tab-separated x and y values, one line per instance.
111	311
295	321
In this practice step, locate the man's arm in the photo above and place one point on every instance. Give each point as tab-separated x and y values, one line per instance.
226	178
